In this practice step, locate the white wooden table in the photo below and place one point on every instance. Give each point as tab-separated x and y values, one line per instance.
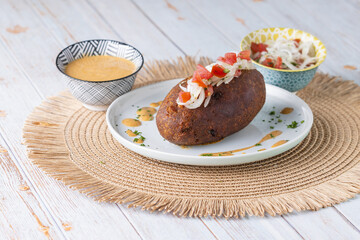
32	32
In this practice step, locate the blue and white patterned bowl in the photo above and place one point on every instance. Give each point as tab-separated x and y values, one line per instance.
97	96
291	80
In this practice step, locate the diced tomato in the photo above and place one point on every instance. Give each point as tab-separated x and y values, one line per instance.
218	71
268	62
297	42
278	63
184	96
245	54
197	79
230	58
209	91
258	47
237	73
204	73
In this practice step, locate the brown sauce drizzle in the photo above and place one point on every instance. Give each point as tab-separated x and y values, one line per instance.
146	117
268	136
155	104
130	133
143	114
146	113
281	142
130	122
138	140
287	110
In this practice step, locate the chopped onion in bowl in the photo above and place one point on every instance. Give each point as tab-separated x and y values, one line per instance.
291	54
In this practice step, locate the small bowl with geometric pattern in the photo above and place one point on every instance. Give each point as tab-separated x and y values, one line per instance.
291	80
98	95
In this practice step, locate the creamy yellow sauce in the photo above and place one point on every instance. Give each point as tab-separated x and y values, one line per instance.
146	118
279	143
287	110
268	136
138	140
263	149
146	113
130	122
155	104
130	133
100	68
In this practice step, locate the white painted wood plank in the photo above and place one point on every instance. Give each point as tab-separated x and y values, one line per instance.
72	21
252	228
183	25
124	17
324	224
21	214
158	226
351	210
17	99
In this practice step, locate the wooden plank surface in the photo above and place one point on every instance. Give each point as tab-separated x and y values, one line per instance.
32	33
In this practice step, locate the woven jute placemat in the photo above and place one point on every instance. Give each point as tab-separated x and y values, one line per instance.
73	145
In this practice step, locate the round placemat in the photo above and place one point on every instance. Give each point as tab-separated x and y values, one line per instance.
73	144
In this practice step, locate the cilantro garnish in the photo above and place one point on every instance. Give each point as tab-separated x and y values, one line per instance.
206	154
294	124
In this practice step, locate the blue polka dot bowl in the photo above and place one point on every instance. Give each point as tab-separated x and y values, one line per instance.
291	80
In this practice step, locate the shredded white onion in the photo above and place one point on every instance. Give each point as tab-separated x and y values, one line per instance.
197	93
294	56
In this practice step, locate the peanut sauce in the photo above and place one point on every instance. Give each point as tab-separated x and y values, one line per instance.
287	110
281	142
100	68
268	136
146	113
155	104
130	122
130	133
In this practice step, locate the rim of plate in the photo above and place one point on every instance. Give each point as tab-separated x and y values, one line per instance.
270	152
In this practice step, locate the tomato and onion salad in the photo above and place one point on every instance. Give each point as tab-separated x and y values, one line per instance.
288	54
200	87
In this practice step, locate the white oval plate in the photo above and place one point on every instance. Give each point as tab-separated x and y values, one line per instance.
158	148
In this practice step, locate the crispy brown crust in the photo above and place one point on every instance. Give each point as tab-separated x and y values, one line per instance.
232	107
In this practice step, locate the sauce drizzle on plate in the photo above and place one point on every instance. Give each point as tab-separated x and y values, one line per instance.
268	136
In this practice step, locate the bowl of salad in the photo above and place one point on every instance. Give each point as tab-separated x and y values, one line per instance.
286	57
